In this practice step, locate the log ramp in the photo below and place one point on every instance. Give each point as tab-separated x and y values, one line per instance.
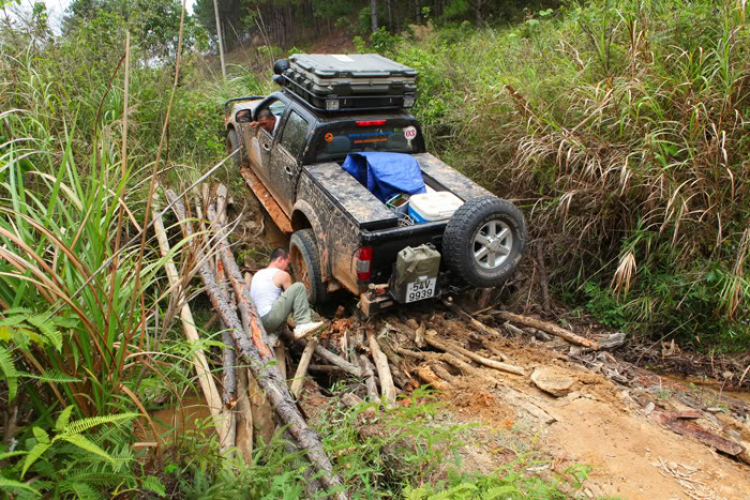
386	356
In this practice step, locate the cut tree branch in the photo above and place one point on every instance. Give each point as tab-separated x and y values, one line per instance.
260	361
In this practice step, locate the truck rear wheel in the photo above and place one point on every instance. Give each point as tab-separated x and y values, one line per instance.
303	252
484	240
232	144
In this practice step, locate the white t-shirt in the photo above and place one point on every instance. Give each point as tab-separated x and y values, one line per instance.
263	291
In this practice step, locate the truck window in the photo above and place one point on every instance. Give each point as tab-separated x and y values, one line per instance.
335	143
293	138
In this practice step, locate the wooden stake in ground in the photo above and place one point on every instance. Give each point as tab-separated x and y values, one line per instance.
220	416
260	361
304	362
550	328
372	387
384	373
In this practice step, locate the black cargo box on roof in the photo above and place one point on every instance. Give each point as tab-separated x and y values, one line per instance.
338	82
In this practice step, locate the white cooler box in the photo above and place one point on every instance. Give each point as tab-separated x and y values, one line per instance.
434	206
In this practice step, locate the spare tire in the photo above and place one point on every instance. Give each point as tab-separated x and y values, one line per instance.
303	252
484	240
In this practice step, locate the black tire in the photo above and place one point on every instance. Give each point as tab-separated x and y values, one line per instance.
303	251
233	143
473	221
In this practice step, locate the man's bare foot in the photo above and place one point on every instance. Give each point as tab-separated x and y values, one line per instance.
305	329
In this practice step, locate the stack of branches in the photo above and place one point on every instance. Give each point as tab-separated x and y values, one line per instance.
252	377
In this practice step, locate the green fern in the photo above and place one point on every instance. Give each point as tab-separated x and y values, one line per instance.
85	444
80	426
52	375
153	484
36	452
82	491
9	371
63	418
16	487
507	491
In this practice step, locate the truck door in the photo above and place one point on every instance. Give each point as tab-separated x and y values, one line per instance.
261	143
285	158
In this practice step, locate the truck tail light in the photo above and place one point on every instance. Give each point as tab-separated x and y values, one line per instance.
370	123
364	263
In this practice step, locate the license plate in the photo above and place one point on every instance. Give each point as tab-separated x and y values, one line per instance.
420	290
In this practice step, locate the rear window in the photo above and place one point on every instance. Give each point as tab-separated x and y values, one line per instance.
335	143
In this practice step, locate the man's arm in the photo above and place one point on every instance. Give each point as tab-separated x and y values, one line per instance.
282	279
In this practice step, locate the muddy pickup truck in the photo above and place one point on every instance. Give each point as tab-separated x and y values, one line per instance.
342	234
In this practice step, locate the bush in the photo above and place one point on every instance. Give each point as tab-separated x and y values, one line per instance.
623	126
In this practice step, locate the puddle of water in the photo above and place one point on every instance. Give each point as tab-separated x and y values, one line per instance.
172	424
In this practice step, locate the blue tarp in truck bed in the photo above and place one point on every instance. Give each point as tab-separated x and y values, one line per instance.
386	174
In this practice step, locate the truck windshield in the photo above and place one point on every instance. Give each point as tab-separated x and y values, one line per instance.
358	137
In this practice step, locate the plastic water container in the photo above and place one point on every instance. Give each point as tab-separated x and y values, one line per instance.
431	207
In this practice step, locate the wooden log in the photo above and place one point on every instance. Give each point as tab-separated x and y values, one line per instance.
513	329
475	323
241	289
229	355
304	362
372	387
688	428
550	328
244	417
399	378
433	341
330	357
411	333
219	415
464	367
442	372
330	369
384	373
428	376
487	345
259	357
280	351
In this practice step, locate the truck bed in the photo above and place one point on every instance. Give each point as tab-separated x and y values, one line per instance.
352	197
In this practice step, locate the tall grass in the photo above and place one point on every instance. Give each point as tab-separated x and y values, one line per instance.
622	126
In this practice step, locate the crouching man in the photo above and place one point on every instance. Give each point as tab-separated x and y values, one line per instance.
276	297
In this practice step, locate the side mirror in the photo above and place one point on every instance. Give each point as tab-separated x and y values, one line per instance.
280	66
243	116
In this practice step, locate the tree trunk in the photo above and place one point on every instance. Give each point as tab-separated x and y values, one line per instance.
374	14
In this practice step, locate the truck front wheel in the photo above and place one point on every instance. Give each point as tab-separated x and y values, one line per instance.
303	252
484	240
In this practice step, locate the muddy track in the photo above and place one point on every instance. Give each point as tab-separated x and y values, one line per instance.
624	421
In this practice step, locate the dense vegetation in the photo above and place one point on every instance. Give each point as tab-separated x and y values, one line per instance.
621	126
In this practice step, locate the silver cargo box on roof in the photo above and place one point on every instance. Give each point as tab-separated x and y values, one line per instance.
350	81
352	66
